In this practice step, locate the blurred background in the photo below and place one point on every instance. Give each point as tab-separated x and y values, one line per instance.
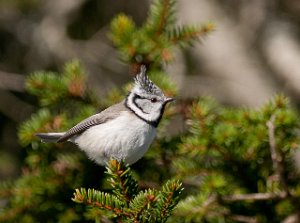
253	54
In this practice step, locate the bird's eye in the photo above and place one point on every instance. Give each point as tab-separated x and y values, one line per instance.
153	100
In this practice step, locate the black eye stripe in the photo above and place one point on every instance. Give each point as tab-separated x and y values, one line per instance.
136	96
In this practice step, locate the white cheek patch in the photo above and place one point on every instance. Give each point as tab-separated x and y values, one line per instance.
139	112
141	104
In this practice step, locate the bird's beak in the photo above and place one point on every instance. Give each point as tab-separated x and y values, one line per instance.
167	100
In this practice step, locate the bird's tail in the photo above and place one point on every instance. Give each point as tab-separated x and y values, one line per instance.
50	137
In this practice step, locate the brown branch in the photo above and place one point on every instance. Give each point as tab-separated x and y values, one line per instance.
279	166
242	218
276	156
119	172
109	208
253	197
12	81
210	200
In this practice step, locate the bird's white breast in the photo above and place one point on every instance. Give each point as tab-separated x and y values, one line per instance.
124	138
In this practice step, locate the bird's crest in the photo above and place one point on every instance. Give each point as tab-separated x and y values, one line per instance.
142	80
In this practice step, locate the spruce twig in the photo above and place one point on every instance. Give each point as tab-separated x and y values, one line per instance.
165	15
125	186
188	34
169	198
151	44
142	202
101	200
150	205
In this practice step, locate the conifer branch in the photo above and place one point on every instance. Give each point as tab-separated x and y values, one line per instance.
51	87
40	121
142	202
167	5
187	34
151	44
161	16
169	198
125	186
101	200
155	206
122	28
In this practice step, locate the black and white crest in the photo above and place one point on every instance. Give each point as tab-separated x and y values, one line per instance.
142	80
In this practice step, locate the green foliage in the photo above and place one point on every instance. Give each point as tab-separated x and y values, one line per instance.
49	171
125	186
161	16
127	202
49	87
230	152
55	92
236	164
152	43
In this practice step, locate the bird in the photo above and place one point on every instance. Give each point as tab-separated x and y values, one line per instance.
123	131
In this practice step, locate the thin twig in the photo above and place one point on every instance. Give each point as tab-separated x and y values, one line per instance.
245	219
279	166
253	197
107	207
210	200
276	156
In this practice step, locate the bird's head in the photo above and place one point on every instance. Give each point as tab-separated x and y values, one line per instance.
146	99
